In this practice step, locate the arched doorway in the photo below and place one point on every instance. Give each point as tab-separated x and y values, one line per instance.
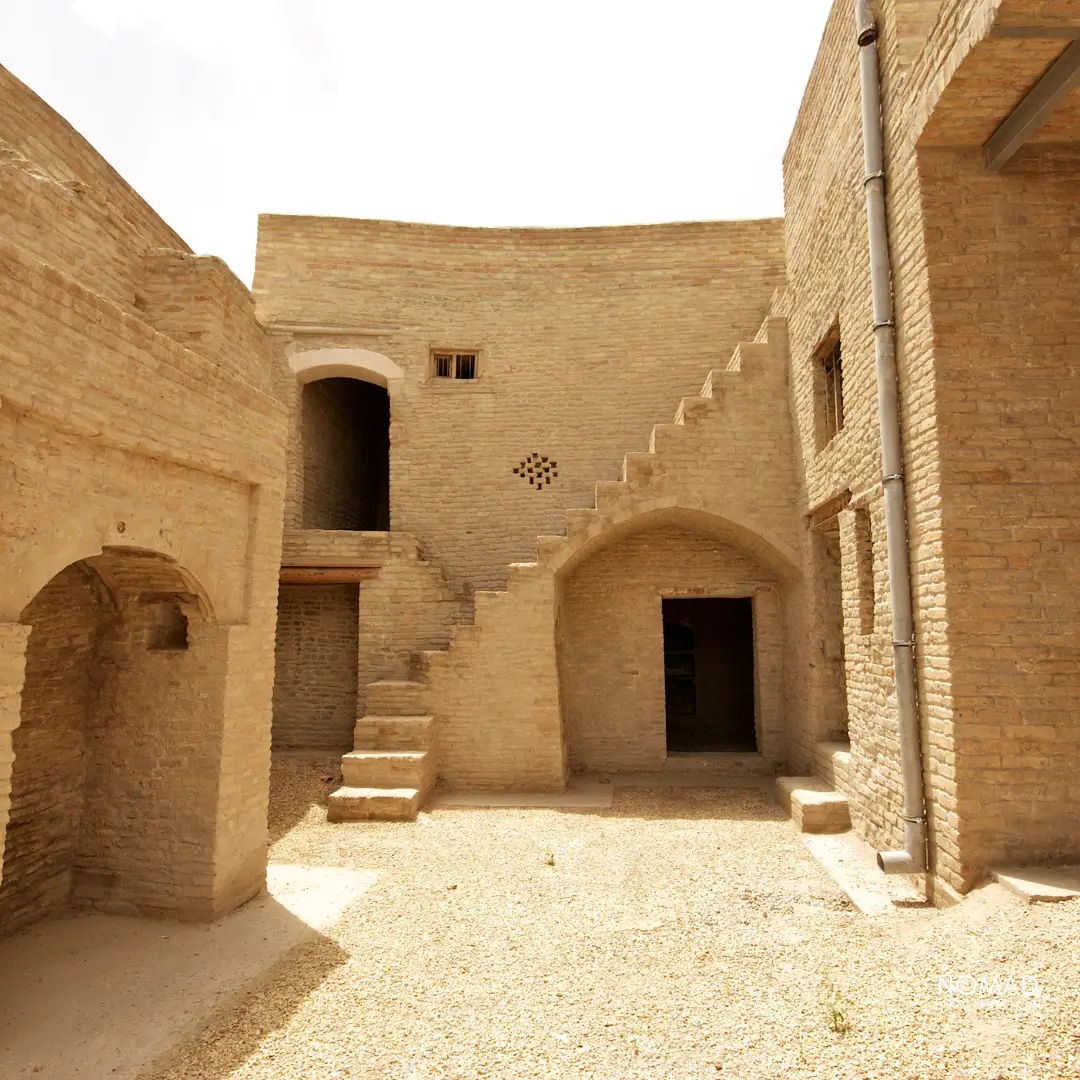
342	438
670	637
115	774
345	431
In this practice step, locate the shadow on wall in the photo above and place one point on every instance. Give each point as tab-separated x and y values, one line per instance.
346	439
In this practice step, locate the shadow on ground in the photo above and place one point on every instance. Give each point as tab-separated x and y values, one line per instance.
97	995
297	790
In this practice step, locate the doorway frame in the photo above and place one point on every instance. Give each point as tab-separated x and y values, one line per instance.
768	645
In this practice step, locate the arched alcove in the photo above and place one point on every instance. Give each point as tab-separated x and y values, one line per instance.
345	435
662	588
114	779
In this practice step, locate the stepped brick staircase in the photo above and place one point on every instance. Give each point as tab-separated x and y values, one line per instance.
392	769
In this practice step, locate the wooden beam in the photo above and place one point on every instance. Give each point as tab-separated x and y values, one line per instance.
824	513
1037	33
1034	111
324	575
335	562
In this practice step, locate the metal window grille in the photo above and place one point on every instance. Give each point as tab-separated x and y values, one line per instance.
833	385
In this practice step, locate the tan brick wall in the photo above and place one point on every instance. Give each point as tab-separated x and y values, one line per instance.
828	265
725	471
50	749
586	336
315	680
1007	334
115	437
611	644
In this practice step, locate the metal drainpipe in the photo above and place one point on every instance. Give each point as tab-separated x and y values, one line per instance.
913	859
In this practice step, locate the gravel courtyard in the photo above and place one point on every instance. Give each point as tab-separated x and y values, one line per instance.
684	934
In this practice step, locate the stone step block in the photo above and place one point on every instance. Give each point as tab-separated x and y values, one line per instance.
638	468
693	409
610	493
548	546
374	804
394	733
580	520
388	769
832	762
665	435
394	697
813	805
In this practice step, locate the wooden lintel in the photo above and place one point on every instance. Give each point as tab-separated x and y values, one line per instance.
330	562
327	575
823	513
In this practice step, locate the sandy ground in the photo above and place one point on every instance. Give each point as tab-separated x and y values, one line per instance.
683	934
95	996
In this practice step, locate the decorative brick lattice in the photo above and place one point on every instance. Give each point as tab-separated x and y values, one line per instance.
538	470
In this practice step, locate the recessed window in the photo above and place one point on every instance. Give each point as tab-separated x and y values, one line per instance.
168	630
829	377
453	365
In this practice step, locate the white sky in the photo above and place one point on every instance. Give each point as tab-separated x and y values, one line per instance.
461	112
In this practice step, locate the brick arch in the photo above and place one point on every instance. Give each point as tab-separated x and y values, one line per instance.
110	744
83	540
363	364
738	531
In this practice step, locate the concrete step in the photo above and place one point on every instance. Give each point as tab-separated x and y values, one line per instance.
579	520
692	409
548	546
638	468
665	435
374	804
813	805
832	762
393	733
610	493
394	697
388	768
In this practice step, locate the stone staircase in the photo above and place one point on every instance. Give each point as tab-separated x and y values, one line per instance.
392	767
819	803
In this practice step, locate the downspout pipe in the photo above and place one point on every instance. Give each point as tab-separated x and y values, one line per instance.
913	859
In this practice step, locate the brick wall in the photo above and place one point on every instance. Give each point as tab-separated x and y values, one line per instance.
828	265
315	681
1007	336
611	644
115	437
586	336
48	785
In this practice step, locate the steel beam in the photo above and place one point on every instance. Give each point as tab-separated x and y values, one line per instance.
1030	115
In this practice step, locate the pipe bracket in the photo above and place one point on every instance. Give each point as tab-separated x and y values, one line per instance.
892	478
879	323
871	177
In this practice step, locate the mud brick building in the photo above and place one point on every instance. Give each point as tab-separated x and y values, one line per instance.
531	502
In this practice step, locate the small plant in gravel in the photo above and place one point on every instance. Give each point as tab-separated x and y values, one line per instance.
549	857
835	1005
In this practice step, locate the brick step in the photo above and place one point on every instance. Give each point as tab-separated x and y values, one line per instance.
374	804
832	762
388	768
813	805
393	733
395	697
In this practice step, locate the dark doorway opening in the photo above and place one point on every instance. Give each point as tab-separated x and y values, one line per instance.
346	437
709	675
